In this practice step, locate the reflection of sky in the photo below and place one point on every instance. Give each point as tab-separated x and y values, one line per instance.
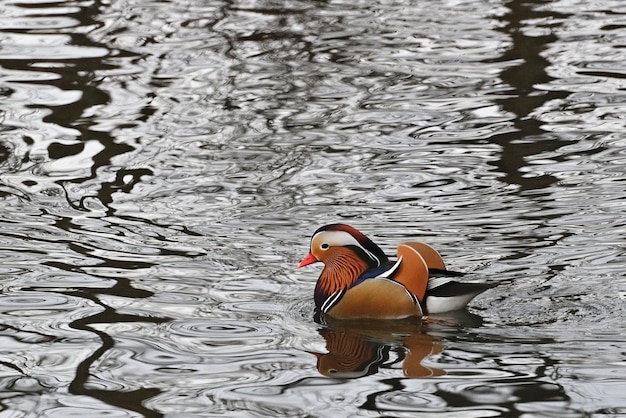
171	160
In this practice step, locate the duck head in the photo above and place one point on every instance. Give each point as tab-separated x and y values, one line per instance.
346	253
329	241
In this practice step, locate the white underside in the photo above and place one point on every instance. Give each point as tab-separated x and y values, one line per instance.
435	305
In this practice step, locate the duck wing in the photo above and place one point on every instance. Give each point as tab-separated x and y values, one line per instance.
418	259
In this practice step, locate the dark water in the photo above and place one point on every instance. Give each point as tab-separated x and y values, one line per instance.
163	165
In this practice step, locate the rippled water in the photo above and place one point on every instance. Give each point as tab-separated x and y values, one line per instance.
163	165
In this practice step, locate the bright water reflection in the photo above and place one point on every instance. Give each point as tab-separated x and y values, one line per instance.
164	164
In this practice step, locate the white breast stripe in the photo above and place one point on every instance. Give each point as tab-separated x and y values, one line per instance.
332	300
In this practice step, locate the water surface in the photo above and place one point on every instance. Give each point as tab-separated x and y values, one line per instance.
163	164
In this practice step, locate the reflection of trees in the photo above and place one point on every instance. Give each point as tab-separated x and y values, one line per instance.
92	148
131	400
526	140
508	383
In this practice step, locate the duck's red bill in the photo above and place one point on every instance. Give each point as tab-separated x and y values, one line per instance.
309	259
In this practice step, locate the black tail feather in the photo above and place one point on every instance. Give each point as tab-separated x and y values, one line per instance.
453	288
448	273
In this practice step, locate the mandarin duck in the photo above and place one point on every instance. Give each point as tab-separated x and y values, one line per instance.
359	281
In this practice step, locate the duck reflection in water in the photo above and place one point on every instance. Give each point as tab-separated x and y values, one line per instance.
361	348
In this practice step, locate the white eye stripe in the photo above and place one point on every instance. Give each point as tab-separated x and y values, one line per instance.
342	239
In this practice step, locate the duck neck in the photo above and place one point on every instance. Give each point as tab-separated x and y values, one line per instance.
341	270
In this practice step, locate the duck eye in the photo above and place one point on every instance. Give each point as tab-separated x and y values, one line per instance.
324	246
